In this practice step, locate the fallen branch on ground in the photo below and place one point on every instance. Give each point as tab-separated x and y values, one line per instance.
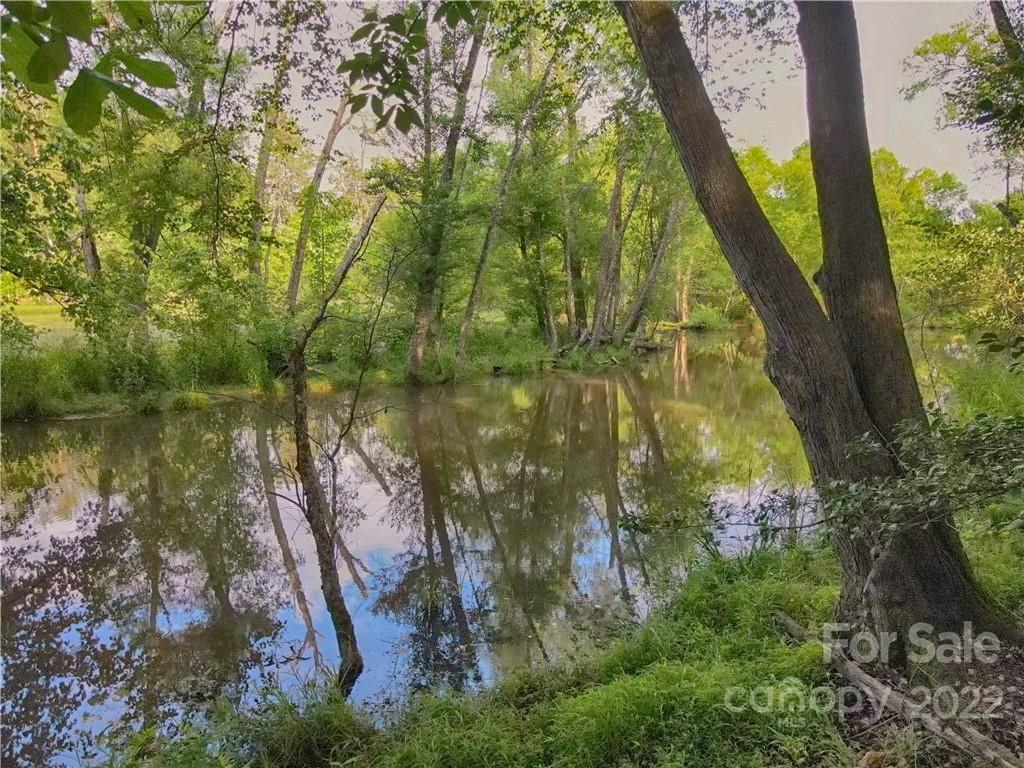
960	735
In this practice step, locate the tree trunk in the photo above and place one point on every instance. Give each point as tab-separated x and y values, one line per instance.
579	296
683	290
90	255
608	245
317	512
855	278
922	575
492	224
270	120
438	213
549	328
569	228
1007	34
643	295
606	298
311	194
197	92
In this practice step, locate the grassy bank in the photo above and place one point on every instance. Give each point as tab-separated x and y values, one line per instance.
72	376
654	698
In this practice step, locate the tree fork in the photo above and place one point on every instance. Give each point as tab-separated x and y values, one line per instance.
922	574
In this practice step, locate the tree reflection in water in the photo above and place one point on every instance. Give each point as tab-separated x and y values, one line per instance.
154	564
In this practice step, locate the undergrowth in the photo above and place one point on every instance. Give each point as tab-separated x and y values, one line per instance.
656	697
652	698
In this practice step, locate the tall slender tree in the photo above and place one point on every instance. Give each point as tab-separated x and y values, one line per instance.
436	202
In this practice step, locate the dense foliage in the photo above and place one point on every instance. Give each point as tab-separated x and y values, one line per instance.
537	187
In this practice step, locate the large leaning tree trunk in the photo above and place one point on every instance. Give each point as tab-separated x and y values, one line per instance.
836	389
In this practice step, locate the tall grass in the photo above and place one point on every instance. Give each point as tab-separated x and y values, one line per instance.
655	697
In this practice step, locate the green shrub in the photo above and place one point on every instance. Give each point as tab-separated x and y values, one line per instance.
189	400
704	317
326	731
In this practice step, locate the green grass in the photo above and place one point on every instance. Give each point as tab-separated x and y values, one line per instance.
655	697
984	386
46	319
72	377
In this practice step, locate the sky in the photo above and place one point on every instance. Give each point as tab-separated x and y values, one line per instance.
888	31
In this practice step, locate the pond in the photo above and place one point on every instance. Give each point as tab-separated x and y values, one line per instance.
155	564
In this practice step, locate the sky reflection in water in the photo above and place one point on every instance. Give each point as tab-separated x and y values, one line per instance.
152	564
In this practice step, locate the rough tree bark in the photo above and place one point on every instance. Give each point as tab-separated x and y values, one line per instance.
437	203
341	119
922	574
643	295
499	206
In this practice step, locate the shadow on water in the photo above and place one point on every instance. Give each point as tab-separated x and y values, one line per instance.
153	565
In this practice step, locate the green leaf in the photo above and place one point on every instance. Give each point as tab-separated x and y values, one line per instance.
151	72
49	60
74	17
132	98
357	102
83	104
141	104
386	117
105	65
406	118
362	32
18	48
23	10
136	13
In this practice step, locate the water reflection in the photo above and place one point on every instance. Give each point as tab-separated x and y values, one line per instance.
154	564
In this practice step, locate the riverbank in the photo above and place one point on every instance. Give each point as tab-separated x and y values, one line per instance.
665	695
71	379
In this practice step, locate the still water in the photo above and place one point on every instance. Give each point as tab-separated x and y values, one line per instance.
152	565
